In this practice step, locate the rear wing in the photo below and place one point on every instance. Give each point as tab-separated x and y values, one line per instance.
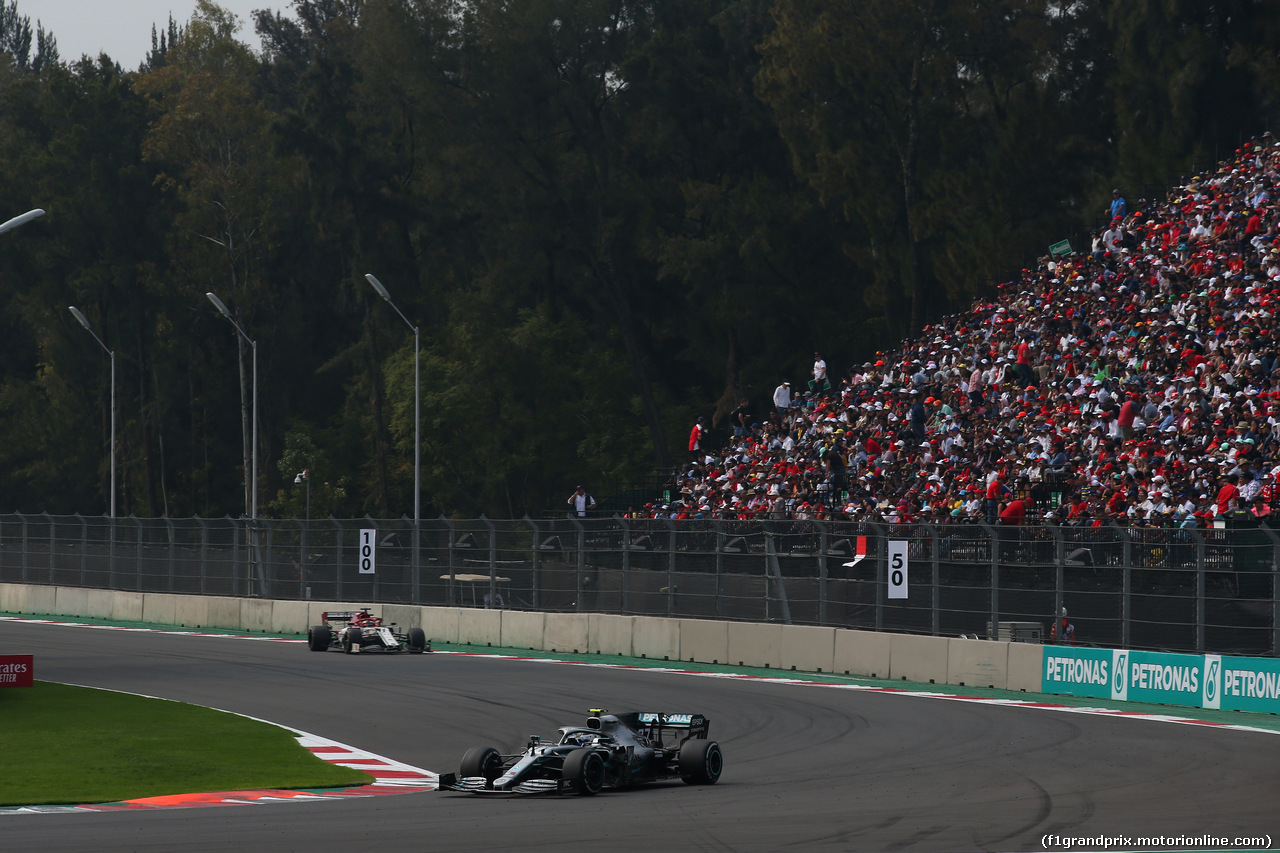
339	616
697	725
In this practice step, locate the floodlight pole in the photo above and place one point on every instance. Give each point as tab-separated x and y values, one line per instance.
84	322
417	426
253	488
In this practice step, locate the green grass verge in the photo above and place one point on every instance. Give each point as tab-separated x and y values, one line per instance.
72	745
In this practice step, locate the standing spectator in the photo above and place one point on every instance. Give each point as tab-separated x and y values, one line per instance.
581	502
741	419
918	416
1229	495
1117	205
995	490
1128	412
782	398
1026	377
819	374
697	436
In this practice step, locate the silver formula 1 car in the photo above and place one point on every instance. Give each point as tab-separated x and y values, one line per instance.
611	751
357	631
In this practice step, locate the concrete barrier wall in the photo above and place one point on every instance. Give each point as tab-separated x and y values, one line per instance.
99	604
943	660
864	653
523	629
1025	673
225	613
127	606
807	648
917	658
440	624
42	599
609	634
566	632
159	608
704	640
655	637
192	611
255	614
70	601
754	644
977	663
480	627
13	597
289	617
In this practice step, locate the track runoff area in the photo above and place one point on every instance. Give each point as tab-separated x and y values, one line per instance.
395	777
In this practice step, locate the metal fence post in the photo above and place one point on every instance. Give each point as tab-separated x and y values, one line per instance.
52	546
1275	581
1200	594
84	549
302	558
22	518
491	599
822	571
626	562
881	538
449	583
204	554
138	540
936	598
235	555
995	579
582	563
721	538
537	561
773	569
1126	587
173	556
337	525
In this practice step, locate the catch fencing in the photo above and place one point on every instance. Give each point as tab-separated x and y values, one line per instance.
1187	590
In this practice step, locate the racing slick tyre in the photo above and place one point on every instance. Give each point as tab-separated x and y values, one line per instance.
584	768
481	761
701	762
348	645
417	641
318	638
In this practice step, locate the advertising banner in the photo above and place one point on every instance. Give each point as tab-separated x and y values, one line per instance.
1250	684
1163	678
17	670
1195	681
1077	672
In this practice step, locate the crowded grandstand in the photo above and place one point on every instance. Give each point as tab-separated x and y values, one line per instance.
1134	382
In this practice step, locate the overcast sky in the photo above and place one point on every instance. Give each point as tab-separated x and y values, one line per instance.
122	28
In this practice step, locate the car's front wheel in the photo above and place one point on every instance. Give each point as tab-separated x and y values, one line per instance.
482	761
318	638
417	641
584	768
701	762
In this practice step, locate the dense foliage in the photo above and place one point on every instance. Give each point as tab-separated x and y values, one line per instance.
608	217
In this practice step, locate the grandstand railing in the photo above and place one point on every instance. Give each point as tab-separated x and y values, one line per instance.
1188	590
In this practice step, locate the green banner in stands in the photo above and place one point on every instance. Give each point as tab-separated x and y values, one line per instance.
1059	249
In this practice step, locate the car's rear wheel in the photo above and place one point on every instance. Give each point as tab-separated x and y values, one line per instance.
318	637
417	641
584	768
348	645
701	762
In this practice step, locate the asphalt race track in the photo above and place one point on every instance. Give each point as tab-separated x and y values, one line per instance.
806	768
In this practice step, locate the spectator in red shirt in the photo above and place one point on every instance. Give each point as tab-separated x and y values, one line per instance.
1228	495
